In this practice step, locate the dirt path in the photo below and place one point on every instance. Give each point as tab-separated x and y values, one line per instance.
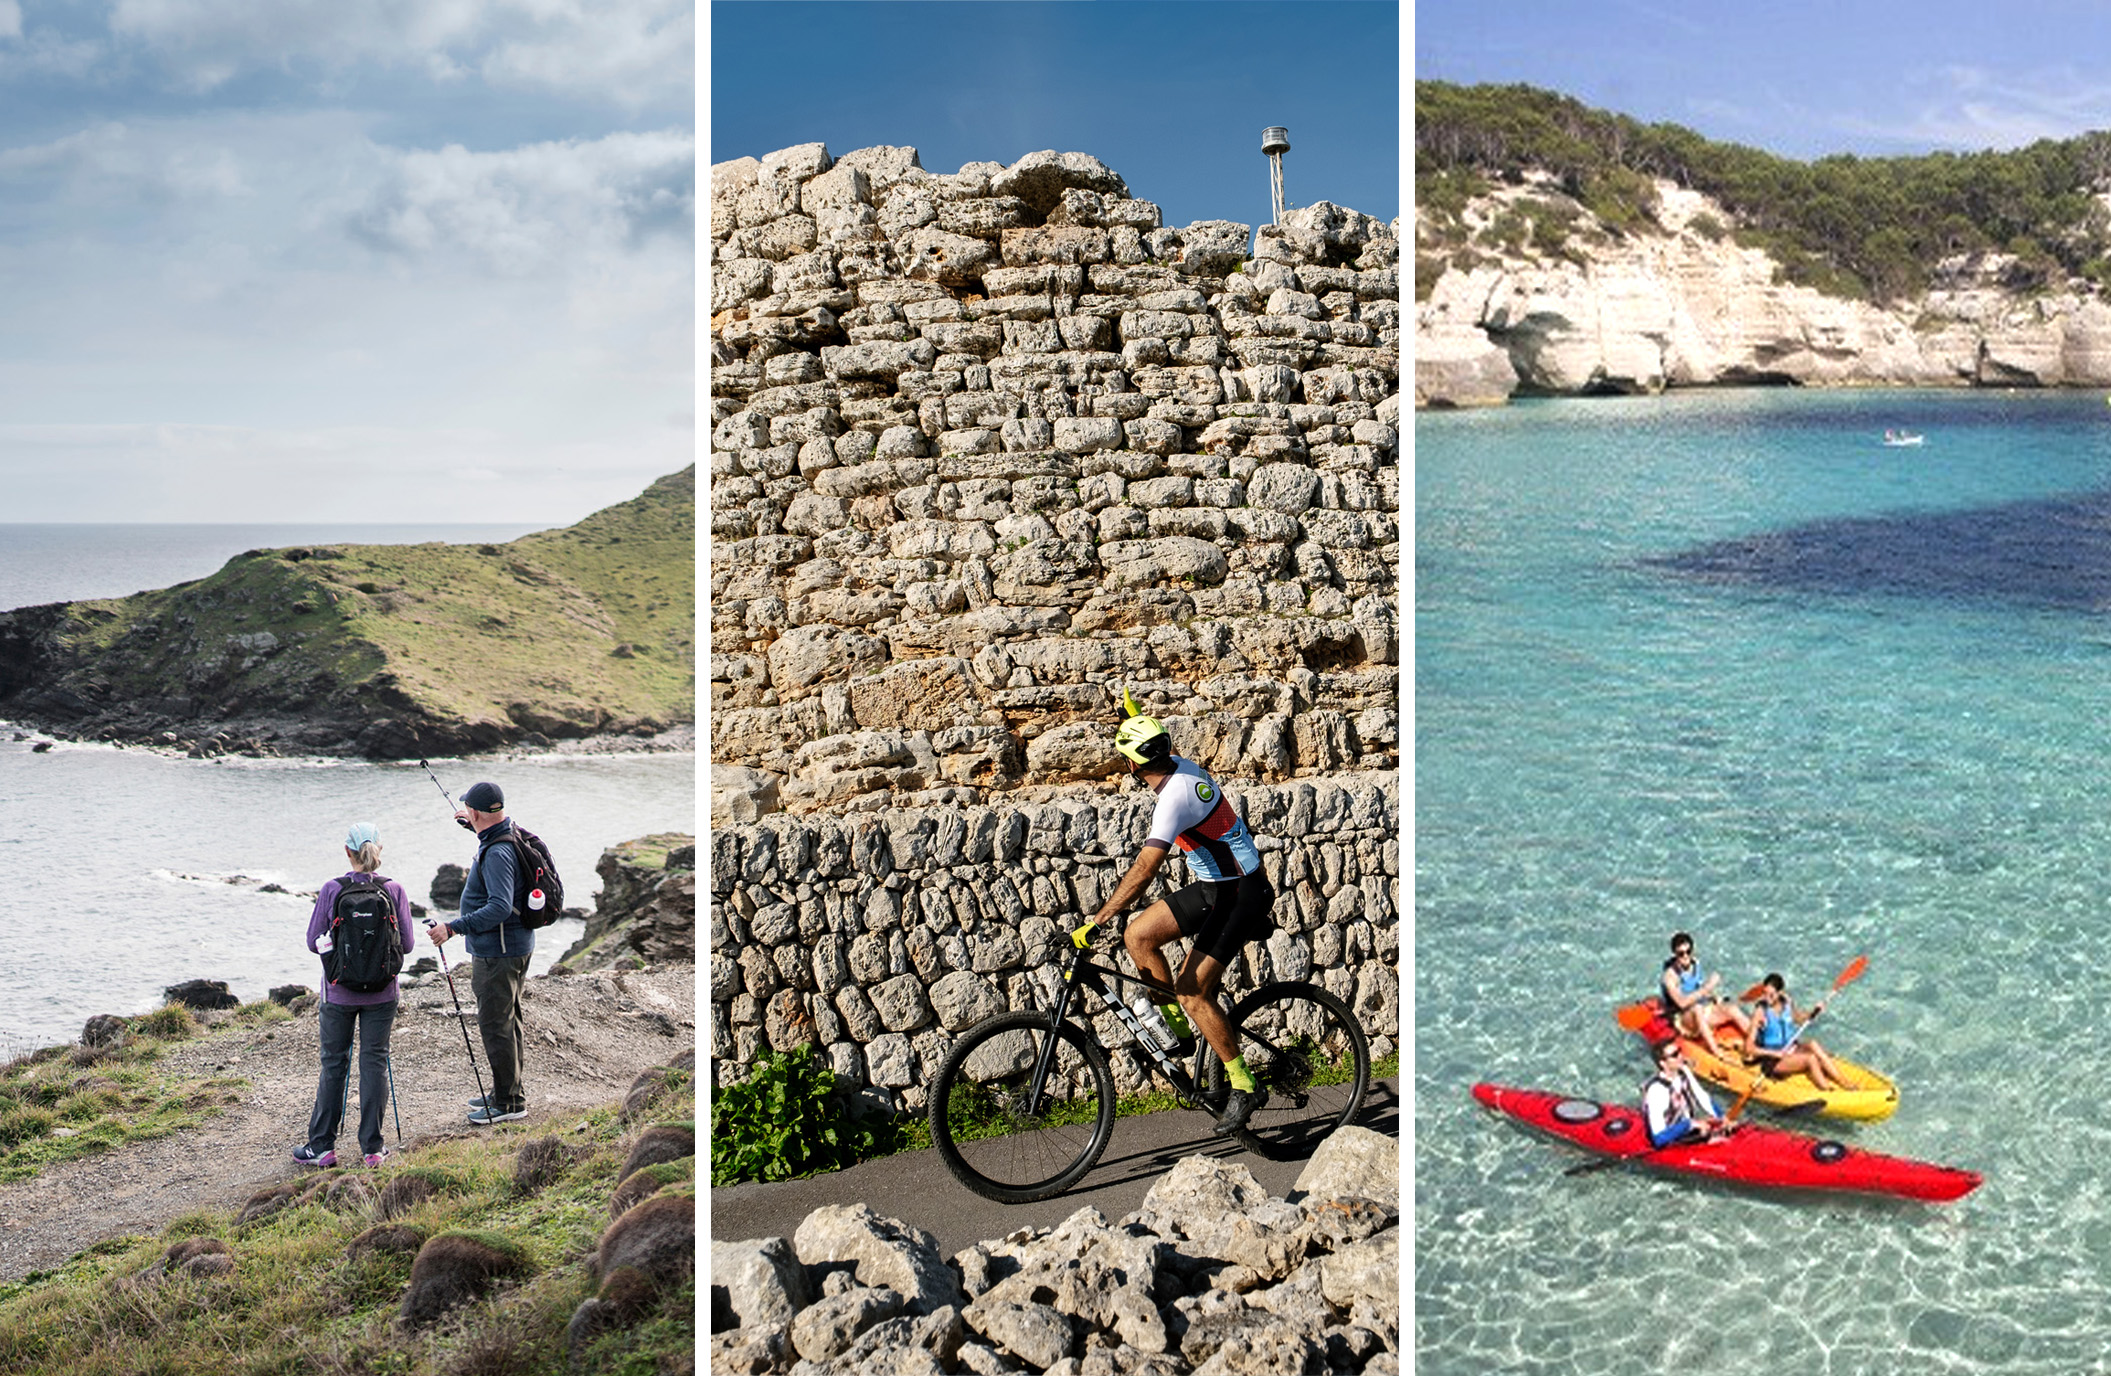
588	1037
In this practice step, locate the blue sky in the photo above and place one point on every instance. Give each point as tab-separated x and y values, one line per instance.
1798	78
315	260
1173	96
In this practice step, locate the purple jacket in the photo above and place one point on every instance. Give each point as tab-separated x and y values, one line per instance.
319	922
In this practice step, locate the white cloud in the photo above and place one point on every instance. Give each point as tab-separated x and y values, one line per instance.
10	19
1970	108
631	52
530	209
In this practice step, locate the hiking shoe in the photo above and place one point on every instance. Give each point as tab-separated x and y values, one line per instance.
485	1117
1238	1107
479	1101
375	1158
307	1156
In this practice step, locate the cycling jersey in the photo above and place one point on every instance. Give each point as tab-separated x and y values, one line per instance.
1192	813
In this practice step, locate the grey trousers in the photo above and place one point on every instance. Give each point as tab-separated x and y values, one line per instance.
496	981
338	1022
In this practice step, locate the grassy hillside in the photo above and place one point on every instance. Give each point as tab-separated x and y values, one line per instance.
386	650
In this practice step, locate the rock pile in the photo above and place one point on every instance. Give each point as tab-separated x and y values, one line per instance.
987	445
879	937
1211	1276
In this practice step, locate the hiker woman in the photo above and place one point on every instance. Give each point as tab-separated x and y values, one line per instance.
360	928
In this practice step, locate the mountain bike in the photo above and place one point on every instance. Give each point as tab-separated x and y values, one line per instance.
1023	1105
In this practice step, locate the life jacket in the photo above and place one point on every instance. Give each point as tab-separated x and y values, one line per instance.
1776	1028
1690	982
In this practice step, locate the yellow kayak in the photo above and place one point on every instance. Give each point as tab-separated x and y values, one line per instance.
1867	1097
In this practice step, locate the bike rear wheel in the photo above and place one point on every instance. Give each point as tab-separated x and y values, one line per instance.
979	1118
1311	1062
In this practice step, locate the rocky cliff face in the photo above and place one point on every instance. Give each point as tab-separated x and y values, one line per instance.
990	444
645	913
1685	306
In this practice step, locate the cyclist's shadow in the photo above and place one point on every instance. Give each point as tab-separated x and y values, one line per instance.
1380	1113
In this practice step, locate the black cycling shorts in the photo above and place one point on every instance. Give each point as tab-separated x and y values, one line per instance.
1220	918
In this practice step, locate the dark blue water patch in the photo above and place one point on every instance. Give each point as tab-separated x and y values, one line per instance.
2050	553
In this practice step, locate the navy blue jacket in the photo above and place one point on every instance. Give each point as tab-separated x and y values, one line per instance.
486	921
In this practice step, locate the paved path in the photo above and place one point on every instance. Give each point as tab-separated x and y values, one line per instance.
915	1187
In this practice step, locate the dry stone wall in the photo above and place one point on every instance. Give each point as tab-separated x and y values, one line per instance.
879	936
989	444
986	448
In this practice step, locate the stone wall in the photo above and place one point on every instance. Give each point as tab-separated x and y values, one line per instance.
880	935
988	445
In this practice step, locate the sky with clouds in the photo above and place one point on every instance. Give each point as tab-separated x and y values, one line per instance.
311	260
1801	78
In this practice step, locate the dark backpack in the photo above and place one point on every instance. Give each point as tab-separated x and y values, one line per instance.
368	953
536	871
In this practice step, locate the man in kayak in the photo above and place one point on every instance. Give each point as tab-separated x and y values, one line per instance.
1674	1106
1778	1046
1224	908
1691	1004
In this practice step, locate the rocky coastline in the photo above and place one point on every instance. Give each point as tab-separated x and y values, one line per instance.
1683	305
1211	1276
560	639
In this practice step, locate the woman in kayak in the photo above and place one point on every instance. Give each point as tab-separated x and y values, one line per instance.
1674	1106
1691	1005
1777	1044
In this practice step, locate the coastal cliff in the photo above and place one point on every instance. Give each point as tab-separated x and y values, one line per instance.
1561	250
1683	306
386	651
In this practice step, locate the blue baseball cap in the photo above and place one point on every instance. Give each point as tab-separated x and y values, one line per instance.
484	797
361	834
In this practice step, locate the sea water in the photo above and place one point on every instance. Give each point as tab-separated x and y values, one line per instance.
124	871
1726	663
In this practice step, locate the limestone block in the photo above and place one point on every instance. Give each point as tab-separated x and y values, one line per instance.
982	338
967	442
949	541
741	430
879	359
764	1282
1154	493
807	656
1032	337
1076	751
740	795
1171	559
901	1004
1086	434
783	237
1210	248
920	693
983	217
933	255
1181	299
797	163
1286	487
885	1251
884	166
1156	325
1037	1334
1119	523
1039	179
961	999
1064	244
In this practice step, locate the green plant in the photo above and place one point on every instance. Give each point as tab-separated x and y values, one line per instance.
789	1118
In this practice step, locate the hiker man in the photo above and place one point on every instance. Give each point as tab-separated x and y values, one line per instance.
1226	907
499	949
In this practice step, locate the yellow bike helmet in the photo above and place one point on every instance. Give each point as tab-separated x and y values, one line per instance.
1141	739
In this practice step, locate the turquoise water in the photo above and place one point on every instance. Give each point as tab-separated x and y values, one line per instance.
1726	663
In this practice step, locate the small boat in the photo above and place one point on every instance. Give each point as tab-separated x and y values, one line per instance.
1866	1095
1901	439
1752	1155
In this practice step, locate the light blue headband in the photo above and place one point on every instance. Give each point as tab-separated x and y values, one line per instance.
361	834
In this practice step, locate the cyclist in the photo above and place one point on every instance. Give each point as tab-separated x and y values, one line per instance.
1226	907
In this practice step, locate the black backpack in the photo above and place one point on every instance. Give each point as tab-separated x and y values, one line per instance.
537	871
368	950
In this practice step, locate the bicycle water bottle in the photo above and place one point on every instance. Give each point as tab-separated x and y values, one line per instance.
535	900
1153	1023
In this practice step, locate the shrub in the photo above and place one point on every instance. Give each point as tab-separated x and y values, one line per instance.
790	1119
170	1023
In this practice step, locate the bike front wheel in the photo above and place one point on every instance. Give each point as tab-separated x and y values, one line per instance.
1311	1062
988	1135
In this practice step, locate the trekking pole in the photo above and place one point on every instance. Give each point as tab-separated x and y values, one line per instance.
459	1017
388	1059
463	821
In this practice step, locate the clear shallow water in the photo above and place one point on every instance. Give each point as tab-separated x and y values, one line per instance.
96	914
1851	736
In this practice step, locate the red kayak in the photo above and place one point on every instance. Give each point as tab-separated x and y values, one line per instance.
1752	1155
